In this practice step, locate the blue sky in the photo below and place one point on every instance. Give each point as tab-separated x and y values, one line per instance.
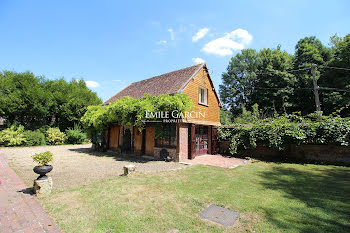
111	44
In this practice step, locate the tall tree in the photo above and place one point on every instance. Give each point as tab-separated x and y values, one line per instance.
71	101
23	98
275	85
258	77
239	80
308	51
35	101
281	82
337	77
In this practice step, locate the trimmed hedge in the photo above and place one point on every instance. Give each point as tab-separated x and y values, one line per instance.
75	136
34	138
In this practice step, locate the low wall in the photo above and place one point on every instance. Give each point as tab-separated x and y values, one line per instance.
312	152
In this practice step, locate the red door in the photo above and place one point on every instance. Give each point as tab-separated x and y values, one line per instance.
202	139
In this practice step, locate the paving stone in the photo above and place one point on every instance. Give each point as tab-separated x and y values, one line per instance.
20	211
216	160
220	215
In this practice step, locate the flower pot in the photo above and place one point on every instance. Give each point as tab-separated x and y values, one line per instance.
42	170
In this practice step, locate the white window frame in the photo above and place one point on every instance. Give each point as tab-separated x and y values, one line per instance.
205	97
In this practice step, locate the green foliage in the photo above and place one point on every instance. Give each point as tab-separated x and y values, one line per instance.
13	136
75	136
244	84
337	78
17	136
44	158
131	111
35	101
281	131
225	117
54	136
247	117
262	77
34	138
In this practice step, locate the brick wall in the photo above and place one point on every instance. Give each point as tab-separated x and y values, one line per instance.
183	142
311	152
172	152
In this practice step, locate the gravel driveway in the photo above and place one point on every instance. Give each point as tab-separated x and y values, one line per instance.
75	165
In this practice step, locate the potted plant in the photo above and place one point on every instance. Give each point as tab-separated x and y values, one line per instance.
43	159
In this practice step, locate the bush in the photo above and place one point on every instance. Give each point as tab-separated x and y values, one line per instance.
34	138
43	158
54	136
13	136
281	131
75	136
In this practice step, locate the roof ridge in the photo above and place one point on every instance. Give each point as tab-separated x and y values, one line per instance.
167	83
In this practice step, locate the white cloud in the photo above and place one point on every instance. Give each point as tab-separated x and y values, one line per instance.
118	81
161	42
223	46
200	34
92	84
198	60
172	35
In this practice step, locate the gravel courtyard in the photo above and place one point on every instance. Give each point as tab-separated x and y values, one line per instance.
75	165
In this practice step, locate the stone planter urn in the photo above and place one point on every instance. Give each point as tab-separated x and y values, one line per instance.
42	170
43	184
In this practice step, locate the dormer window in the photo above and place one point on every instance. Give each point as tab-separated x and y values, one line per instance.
203	96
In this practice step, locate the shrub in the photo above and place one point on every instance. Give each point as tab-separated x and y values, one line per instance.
43	158
281	131
34	138
75	136
12	136
54	136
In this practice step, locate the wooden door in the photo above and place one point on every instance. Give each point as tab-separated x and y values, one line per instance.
149	140
127	141
113	137
137	141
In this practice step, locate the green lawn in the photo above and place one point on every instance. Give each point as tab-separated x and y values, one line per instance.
271	197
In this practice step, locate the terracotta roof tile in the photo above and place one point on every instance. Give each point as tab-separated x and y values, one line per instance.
168	83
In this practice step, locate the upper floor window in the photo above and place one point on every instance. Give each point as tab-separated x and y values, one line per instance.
203	96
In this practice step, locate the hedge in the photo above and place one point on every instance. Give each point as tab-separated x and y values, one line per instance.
280	131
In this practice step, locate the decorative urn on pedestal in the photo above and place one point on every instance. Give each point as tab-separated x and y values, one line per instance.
43	184
42	170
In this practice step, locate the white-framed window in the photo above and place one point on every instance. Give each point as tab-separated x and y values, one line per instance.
203	96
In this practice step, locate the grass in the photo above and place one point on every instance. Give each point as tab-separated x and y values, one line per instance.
271	197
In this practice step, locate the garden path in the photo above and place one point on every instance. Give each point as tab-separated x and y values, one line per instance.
19	209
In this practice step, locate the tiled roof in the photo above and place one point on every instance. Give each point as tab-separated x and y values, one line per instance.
168	83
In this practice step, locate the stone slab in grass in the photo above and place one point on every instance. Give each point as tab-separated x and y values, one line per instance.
220	215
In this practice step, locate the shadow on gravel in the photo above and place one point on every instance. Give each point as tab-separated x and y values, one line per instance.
118	157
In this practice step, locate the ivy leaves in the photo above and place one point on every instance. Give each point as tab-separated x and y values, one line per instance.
288	129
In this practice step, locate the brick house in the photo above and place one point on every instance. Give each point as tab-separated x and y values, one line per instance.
186	139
